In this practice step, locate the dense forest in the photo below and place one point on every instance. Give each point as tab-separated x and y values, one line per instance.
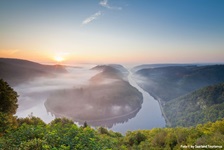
172	82
32	133
200	106
183	93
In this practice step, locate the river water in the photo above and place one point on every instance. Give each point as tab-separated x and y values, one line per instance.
33	96
148	117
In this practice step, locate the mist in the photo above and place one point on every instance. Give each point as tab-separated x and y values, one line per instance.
33	94
106	100
101	95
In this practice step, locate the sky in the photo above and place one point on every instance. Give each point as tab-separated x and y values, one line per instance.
113	31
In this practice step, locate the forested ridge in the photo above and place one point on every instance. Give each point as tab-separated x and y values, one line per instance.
32	133
107	99
189	95
172	82
17	71
200	106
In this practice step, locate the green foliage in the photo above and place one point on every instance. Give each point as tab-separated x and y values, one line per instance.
32	133
7	123
31	120
8	106
34	144
172	82
102	130
178	89
8	98
85	124
61	136
61	121
173	138
134	138
201	106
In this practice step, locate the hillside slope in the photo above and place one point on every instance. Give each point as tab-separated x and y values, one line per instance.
203	105
169	83
16	71
108	99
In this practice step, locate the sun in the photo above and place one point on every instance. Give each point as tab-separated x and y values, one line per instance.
59	58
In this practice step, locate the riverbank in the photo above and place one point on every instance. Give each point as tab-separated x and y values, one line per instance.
161	102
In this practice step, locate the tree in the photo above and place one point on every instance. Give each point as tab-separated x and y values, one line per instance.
85	124
8	106
31	120
8	98
61	121
7	122
102	130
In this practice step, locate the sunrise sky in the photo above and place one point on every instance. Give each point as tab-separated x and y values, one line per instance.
113	31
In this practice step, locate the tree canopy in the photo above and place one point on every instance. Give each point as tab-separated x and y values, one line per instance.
32	133
62	134
8	98
8	107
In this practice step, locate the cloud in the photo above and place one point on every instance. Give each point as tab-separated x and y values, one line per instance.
105	4
9	51
92	18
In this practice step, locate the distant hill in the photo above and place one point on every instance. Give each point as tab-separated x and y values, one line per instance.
121	68
169	85
109	71
108	99
171	82
16	71
201	106
148	66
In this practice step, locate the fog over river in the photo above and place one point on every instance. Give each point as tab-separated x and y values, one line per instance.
148	117
33	95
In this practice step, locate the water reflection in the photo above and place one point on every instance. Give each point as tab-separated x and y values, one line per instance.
105	122
102	97
106	101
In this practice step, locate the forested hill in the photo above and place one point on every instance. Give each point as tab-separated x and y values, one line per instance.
112	71
110	98
32	133
16	71
108	71
148	66
203	105
171	82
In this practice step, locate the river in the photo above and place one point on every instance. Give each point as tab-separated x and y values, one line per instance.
149	116
33	95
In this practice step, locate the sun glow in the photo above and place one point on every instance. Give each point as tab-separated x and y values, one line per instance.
58	58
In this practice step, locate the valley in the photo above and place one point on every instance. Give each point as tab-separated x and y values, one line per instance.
112	96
